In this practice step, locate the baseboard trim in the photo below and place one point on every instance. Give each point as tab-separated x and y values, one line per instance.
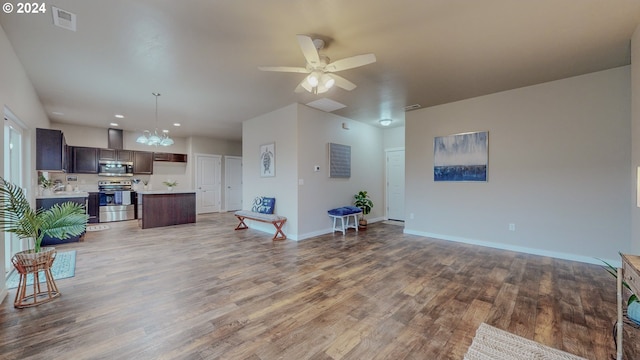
521	249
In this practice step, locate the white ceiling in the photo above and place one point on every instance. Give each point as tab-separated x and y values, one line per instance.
203	55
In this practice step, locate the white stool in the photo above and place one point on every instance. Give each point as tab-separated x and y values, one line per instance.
347	225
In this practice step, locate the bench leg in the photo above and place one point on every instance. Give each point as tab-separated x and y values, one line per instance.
242	225
279	234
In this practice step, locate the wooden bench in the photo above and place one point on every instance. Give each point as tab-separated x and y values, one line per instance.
276	220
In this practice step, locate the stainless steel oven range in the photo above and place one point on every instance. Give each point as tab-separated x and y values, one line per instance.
115	200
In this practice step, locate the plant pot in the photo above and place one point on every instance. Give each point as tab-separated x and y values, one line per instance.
29	262
170	188
362	224
633	312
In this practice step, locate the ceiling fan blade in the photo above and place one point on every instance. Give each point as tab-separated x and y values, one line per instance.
309	50
343	83
351	62
292	69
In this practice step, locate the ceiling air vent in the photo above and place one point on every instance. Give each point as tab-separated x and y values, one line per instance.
326	105
63	18
412	107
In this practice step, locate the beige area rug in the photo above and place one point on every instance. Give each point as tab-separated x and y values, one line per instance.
97	227
494	344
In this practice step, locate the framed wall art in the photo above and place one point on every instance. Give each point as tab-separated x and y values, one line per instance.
268	160
461	157
339	161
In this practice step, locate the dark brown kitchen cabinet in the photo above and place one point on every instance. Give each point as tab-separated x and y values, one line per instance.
116	155
51	150
142	162
47	203
85	160
93	207
170	157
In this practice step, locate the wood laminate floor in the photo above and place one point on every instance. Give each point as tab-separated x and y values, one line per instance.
205	291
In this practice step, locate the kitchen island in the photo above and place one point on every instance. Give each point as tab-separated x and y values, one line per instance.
49	200
158	208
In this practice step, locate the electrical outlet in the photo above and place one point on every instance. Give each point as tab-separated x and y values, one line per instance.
512	227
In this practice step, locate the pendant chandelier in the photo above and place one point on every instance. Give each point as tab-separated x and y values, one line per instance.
153	138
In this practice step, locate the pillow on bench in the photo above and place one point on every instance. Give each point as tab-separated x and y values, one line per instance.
345	210
263	205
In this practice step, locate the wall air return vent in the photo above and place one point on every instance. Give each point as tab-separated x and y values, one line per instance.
63	18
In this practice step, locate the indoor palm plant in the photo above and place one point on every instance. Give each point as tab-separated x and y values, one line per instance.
16	216
363	201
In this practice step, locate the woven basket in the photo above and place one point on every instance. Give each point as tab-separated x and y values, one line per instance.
29	261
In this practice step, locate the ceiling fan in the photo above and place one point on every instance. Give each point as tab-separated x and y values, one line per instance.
320	68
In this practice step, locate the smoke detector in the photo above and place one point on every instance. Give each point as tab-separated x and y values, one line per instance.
63	18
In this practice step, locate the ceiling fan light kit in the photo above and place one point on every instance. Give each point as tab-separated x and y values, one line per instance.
153	139
385	122
321	70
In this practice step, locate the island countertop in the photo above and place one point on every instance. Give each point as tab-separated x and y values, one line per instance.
64	194
158	192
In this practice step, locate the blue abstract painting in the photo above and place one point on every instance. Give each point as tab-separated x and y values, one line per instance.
461	157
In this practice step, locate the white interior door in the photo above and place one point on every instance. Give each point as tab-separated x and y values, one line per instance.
395	184
233	182
208	180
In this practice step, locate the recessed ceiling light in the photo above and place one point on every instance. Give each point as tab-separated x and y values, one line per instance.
113	124
176	124
57	113
385	122
165	131
119	116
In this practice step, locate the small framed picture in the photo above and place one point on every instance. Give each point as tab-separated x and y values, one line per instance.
268	160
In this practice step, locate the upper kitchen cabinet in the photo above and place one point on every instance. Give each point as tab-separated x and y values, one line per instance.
51	150
85	160
170	157
142	162
116	155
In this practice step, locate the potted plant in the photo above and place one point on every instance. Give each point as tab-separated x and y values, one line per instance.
170	184
363	201
60	221
46	185
16	216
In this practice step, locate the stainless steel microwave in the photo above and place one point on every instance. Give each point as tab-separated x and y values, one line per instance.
115	168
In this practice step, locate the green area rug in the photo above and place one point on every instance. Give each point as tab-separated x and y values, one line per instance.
64	266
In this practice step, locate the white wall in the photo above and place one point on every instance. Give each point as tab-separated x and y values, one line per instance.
559	156
393	138
279	127
635	132
301	135
19	96
320	193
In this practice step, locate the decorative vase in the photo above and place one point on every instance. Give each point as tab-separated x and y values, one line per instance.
633	312
362	224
